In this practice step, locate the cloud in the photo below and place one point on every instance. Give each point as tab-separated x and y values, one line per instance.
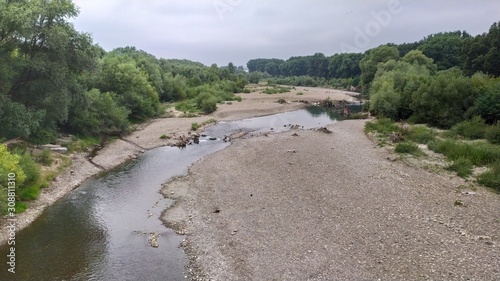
220	31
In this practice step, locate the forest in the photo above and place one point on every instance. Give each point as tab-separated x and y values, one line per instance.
55	80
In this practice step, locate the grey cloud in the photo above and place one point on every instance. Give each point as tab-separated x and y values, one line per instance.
246	29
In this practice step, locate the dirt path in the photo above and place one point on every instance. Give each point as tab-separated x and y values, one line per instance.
330	207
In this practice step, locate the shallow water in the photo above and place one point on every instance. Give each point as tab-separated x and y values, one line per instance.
100	230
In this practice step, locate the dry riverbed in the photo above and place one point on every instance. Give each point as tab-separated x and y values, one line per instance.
330	207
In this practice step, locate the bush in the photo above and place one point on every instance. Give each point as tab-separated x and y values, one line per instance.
409	148
462	166
493	134
46	157
186	106
419	134
195	126
164	137
383	126
238	99
30	168
21	207
478	153
491	178
470	129
28	193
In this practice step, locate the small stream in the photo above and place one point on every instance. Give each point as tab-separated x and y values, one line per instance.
100	230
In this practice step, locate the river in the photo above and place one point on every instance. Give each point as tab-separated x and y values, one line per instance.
100	230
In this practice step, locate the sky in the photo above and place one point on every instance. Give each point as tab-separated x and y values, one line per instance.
223	31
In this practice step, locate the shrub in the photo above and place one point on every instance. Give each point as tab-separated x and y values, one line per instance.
238	99
462	166
419	134
409	148
21	207
195	126
164	137
478	153
493	134
383	126
28	193
45	158
491	178
186	106
470	129
30	168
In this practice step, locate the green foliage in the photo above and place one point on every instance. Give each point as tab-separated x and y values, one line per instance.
408	148
419	134
186	106
493	134
238	99
21	207
195	126
370	62
470	129
99	114
444	48
277	90
46	158
29	167
29	193
462	166
491	178
478	153
164	137
9	163
384	126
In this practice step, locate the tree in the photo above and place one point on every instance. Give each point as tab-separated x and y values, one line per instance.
369	63
444	48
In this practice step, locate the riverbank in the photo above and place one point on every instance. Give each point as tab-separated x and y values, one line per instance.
147	136
330	207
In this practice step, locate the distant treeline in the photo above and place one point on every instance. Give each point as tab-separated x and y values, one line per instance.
442	80
448	49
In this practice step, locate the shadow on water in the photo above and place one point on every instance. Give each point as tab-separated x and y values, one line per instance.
100	231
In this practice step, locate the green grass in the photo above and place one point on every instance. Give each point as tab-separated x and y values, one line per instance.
409	148
359	115
188	106
419	134
493	134
478	153
384	126
491	178
238	99
470	129
29	193
277	90
462	166
21	207
164	137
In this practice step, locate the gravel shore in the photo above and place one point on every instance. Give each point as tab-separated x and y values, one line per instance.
330	207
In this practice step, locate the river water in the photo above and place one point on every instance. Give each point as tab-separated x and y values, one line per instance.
100	230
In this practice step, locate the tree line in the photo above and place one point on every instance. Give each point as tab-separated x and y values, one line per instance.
458	49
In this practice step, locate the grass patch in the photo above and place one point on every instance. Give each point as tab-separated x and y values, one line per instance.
29	193
493	134
419	134
491	178
188	106
238	99
164	137
384	126
195	126
21	207
277	90
300	94
357	116
470	129
409	148
462	166
478	153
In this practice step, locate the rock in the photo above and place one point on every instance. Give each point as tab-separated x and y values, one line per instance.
61	150
295	135
324	130
212	138
153	239
396	137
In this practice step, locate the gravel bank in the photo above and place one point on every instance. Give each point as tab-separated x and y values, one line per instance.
330	207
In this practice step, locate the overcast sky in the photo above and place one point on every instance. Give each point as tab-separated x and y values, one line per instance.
223	31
